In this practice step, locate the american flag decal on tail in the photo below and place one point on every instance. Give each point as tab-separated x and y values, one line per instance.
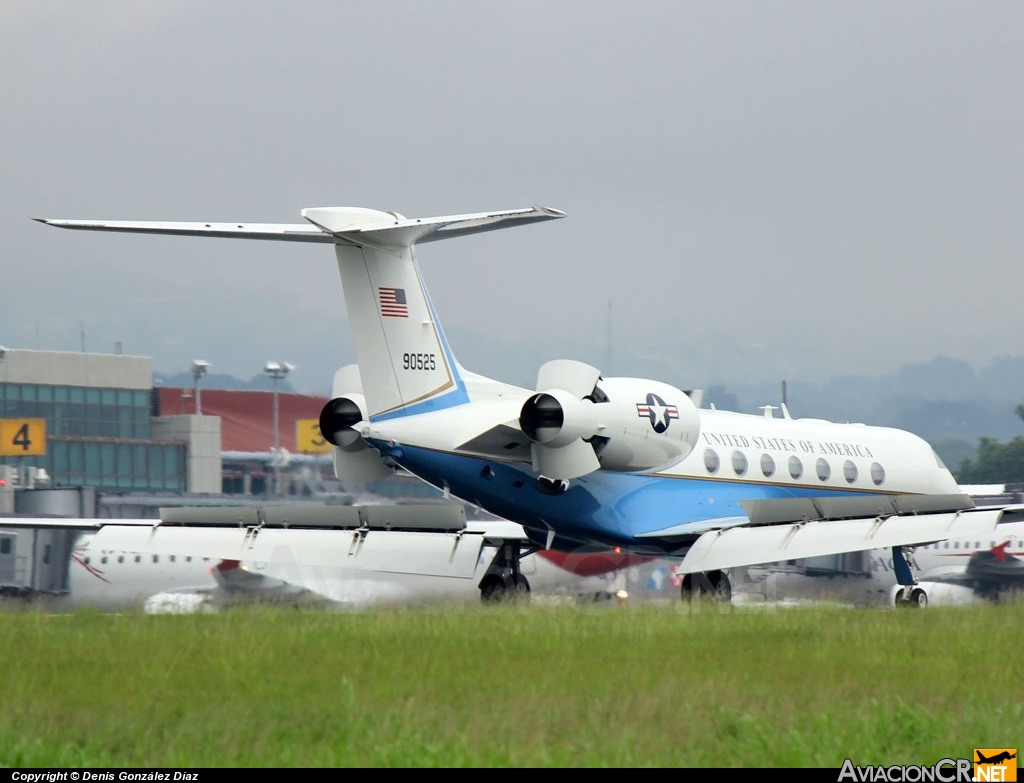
392	302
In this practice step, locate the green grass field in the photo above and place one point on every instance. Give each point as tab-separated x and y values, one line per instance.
510	686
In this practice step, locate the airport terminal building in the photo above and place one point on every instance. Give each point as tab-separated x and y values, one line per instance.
93	423
85	419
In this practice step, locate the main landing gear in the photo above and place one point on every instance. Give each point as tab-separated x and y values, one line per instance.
712	585
909	595
503	581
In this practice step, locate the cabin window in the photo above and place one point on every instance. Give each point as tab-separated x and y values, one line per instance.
138	558
156	558
767	465
711	462
877	473
796	467
5	546
823	468
120	558
849	471
739	462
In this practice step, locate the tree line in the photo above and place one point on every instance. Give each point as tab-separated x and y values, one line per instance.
995	462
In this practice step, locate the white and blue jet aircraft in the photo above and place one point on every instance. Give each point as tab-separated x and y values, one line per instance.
581	462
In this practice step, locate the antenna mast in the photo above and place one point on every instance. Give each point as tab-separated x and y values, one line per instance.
608	346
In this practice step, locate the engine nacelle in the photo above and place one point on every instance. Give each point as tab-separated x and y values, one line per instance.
624	424
338	417
355	461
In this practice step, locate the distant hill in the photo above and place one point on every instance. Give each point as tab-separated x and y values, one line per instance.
945	401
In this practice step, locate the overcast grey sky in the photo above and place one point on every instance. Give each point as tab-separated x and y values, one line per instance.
766	190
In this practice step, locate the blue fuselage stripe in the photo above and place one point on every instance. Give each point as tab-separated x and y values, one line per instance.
613	508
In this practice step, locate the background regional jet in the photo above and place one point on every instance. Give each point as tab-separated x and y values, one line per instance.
581	461
117	579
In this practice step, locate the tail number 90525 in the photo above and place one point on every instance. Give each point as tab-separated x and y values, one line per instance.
418	361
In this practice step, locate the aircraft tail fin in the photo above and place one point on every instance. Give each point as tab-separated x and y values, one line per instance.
405	362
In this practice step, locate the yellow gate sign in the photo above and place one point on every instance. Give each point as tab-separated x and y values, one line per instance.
308	438
22	437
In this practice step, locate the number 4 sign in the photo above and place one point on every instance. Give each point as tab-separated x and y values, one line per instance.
22	437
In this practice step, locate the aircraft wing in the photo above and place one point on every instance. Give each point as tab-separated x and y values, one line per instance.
734	544
238	581
430	539
776	511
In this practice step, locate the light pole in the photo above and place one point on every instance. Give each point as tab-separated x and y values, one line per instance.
199	368
277	371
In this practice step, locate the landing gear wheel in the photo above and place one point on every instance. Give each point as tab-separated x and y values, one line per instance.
495	589
712	585
492	589
918	599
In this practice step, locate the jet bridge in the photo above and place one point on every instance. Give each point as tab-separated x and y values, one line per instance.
35	561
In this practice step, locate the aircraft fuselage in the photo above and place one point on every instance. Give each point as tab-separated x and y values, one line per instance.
738	457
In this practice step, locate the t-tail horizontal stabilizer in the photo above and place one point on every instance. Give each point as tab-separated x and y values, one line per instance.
405	362
350	225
